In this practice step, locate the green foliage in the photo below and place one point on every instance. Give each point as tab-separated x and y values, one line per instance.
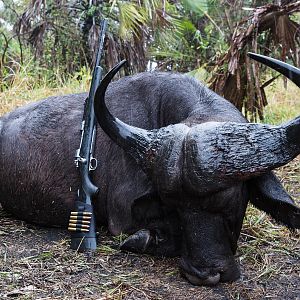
197	6
174	34
131	16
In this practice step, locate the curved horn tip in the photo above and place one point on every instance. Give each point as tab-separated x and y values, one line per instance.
119	65
291	72
252	54
108	77
262	59
116	69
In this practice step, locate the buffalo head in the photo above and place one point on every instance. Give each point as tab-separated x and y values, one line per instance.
204	173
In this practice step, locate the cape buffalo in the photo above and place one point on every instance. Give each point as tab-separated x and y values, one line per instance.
175	174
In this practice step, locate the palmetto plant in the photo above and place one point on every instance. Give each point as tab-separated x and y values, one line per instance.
67	31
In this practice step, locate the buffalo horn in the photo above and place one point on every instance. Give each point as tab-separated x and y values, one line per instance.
217	155
133	140
287	70
156	151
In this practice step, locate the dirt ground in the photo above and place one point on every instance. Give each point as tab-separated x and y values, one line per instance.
36	263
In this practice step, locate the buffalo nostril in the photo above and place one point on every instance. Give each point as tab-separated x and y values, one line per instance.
209	281
231	274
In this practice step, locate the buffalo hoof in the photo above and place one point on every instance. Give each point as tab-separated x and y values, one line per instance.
137	242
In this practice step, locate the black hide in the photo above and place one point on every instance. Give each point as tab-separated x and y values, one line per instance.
39	180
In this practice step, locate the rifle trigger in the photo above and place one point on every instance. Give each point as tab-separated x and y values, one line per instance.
93	164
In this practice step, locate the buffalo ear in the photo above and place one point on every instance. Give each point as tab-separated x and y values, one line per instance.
267	194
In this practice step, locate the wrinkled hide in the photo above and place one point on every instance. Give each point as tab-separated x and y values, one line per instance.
172	194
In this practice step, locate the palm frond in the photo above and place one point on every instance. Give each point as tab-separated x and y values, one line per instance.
234	76
132	18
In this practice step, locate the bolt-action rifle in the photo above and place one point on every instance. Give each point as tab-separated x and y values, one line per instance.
82	219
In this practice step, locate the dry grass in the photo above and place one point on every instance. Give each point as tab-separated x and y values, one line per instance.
36	263
25	89
284	104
